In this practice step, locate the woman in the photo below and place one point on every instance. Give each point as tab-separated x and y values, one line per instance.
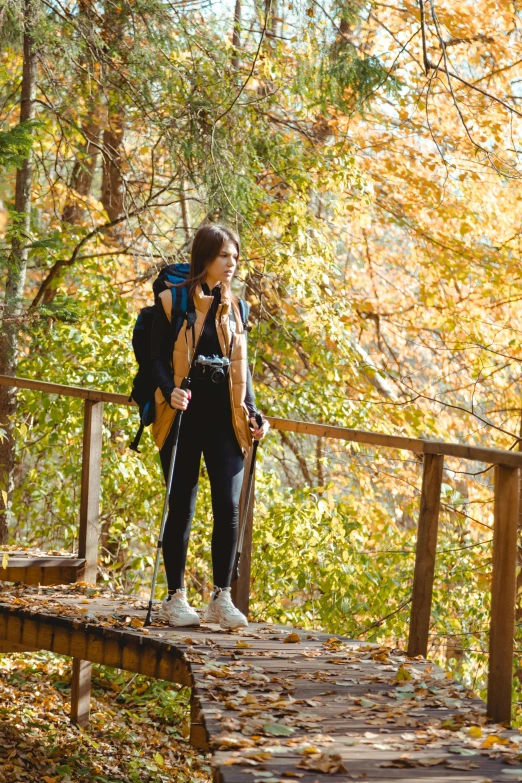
218	420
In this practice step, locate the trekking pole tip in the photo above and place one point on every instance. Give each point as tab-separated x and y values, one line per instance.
148	619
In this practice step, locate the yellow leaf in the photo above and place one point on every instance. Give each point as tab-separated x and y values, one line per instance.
494	739
48	779
403	675
5	560
242	645
292	638
475	731
158	758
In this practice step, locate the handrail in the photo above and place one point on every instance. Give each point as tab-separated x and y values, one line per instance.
417	445
65	391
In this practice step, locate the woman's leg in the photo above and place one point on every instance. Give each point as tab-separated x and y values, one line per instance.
225	466
182	499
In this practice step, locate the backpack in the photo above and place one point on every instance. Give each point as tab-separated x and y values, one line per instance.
144	384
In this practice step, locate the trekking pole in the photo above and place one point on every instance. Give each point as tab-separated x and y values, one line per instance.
239	549
177	421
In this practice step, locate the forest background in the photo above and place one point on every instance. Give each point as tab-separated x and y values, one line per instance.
368	155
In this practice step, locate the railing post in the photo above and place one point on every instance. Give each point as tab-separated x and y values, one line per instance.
503	594
90	492
241	588
88	543
425	554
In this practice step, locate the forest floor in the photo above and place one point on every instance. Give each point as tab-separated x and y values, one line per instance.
138	731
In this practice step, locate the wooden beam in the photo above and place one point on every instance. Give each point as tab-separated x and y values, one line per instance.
81	692
241	587
43	570
425	555
109	647
66	391
90	489
503	594
343	433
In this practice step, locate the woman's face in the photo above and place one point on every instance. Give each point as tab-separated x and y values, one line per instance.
222	268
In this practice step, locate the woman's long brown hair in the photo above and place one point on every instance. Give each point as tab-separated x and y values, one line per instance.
206	245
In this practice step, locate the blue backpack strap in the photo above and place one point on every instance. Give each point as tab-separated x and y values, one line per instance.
244	309
179	308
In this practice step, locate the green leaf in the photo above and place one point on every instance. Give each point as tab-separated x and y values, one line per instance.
278	729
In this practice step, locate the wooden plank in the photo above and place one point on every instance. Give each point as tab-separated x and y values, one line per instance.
90	488
65	391
503	594
425	554
81	692
342	433
29	560
9	647
241	587
478	453
198	732
43	571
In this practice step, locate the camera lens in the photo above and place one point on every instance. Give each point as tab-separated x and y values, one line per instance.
218	375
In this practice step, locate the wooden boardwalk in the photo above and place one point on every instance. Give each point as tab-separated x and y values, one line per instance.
274	703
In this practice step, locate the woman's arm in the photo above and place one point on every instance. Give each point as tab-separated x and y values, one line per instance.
161	352
250	401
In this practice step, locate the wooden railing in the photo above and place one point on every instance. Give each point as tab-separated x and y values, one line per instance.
506	484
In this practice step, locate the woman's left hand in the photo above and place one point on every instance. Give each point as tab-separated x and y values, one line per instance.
259	432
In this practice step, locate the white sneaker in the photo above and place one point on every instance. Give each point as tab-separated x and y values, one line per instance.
178	611
221	610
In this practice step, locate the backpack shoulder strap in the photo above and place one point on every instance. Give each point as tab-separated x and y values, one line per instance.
166	300
244	309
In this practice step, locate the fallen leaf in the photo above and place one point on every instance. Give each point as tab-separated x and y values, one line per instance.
278	729
5	560
403	674
330	763
494	739
292	638
475	731
462	765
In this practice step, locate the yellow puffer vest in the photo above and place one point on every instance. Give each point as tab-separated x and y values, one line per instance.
183	354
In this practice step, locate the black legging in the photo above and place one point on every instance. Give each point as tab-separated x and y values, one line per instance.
206	428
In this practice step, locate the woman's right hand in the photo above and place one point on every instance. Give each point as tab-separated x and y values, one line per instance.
179	399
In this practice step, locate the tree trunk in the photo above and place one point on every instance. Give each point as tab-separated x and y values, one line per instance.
79	188
17	266
112	196
236	36
518	606
83	173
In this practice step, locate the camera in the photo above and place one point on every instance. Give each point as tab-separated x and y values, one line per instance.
213	367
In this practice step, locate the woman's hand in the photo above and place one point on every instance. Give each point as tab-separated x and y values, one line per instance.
179	399
259	432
